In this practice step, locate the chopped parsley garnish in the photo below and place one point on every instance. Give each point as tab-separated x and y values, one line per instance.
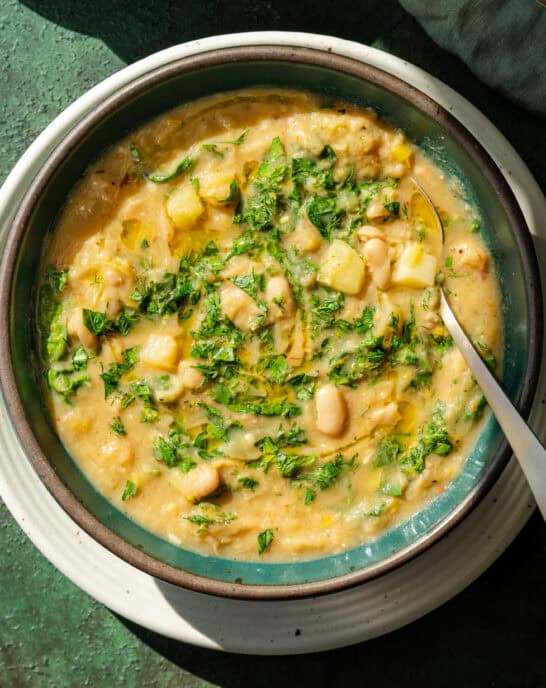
65	382
149	414
391	488
351	366
80	357
57	278
323	311
241	404
135	153
387	452
212	148
259	209
212	516
248	483
233	193
139	389
304	384
325	475
265	538
172	449
475	408
251	284
125	320
421	379
182	166
275	368
117	426
432	438
294	437
486	353
289	465
52	325
97	323
112	376
377	510
131	490
238	141
324	213
393	207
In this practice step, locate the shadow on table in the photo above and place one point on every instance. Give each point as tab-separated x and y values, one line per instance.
133	30
457	646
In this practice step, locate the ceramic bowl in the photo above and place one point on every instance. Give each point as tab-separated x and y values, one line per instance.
430	127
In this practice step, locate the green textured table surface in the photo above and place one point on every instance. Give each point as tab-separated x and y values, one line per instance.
53	634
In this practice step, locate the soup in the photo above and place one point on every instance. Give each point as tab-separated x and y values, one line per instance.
239	327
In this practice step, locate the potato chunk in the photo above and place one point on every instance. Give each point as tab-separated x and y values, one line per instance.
191	377
160	351
239	307
214	187
305	236
415	267
184	206
343	269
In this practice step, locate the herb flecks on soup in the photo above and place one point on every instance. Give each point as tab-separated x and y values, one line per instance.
240	332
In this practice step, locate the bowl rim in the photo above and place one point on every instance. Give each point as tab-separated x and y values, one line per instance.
272	53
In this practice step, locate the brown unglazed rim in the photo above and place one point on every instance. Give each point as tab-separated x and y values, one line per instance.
133	555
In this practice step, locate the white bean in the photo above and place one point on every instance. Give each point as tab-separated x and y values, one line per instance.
173	391
376	210
331	410
376	252
239	307
200	482
190	377
279	298
369	231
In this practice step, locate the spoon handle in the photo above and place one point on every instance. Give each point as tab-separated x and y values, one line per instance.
527	448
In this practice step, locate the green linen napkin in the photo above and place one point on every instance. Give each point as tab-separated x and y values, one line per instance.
502	41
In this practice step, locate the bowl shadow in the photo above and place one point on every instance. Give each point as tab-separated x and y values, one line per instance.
419	654
149	27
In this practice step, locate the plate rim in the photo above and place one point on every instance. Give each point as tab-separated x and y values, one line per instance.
17	412
532	204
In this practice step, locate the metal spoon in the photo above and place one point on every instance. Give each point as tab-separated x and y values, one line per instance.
527	448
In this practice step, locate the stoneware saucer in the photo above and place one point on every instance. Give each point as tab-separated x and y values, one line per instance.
365	611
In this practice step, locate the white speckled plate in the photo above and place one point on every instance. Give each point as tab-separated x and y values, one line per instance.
369	610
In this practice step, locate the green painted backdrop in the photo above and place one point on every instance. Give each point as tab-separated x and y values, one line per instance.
53	634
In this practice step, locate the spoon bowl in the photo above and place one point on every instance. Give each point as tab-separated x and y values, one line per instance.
528	450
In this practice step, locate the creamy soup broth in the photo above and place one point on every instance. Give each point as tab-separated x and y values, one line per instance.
239	326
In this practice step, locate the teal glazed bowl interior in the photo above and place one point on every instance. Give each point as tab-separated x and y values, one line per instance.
430	127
